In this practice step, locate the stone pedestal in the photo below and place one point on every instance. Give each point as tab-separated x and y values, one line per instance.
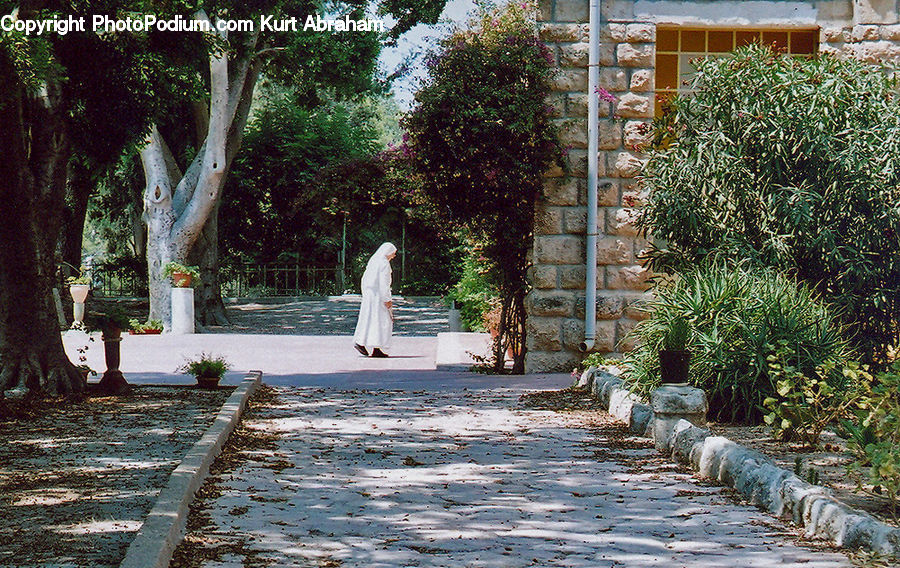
182	310
113	381
672	403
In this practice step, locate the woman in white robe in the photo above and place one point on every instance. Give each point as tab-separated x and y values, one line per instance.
376	320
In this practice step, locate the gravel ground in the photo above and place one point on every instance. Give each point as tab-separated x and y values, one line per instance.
77	477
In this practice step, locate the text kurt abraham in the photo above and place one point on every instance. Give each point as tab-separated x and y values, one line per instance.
149	22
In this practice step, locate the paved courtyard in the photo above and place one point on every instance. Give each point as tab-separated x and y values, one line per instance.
416	316
464	478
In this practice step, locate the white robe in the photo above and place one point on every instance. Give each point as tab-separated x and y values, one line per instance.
375	324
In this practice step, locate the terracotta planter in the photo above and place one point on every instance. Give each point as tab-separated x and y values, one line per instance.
208	382
181	280
674	365
145	332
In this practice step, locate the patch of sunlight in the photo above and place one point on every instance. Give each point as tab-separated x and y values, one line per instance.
398	477
47	497
97	527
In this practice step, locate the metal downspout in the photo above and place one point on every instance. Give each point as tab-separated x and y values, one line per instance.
590	300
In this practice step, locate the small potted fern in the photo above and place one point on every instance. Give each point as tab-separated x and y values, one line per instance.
208	370
674	357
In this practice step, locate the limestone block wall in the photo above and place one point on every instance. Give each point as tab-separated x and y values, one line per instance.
867	29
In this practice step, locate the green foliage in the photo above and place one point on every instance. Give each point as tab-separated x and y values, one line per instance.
876	435
271	202
677	335
111	320
149	325
480	136
738	317
302	174
474	295
81	279
599	360
805	403
795	164
207	366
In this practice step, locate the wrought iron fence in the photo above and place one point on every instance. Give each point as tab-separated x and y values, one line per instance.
237	281
118	283
273	280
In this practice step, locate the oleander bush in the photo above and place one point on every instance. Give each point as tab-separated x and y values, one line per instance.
792	163
739	316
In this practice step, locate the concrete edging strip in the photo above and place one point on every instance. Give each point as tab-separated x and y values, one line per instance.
755	476
163	527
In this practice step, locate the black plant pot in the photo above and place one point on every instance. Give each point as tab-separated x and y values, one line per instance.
673	365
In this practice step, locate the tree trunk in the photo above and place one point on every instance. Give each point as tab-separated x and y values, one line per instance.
178	207
79	185
209	307
33	164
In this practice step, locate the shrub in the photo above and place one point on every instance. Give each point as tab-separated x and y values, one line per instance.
805	404
737	317
150	325
795	164
875	437
474	295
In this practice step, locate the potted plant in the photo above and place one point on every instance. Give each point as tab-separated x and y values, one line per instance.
181	275
674	357
208	370
149	327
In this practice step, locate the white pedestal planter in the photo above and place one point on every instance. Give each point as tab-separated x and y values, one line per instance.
182	310
79	295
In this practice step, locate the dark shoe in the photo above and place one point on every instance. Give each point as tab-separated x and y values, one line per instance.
361	349
378	353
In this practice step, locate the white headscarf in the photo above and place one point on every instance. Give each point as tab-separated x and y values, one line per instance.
377	263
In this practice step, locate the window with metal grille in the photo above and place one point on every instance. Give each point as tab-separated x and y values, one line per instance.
677	48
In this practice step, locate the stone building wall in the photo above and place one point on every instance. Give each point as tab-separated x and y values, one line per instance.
867	29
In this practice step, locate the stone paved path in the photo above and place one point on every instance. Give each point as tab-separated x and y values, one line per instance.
463	478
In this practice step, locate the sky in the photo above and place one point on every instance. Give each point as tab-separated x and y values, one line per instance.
416	41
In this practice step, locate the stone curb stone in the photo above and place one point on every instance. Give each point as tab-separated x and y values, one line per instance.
163	528
623	404
753	474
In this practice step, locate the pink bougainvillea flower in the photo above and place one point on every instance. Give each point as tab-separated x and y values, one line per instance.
605	95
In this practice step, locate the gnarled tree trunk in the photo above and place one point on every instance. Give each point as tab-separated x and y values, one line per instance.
33	162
